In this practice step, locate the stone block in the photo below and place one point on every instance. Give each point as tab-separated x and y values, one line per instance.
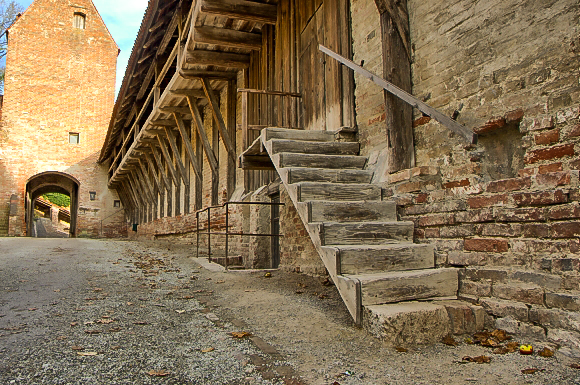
437	219
479	215
564	211
566	230
548	137
477	289
525	293
410	323
546	168
461	258
487	273
519	214
501	308
566	338
540	198
465	230
462	317
563	301
555	318
486	244
547	281
520	329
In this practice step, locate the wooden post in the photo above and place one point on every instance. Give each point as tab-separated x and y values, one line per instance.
397	70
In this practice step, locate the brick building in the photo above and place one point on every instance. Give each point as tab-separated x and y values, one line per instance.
59	93
476	215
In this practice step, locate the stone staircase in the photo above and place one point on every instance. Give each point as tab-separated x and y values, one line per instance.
389	284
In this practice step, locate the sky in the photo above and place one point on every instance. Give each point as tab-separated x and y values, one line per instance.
123	19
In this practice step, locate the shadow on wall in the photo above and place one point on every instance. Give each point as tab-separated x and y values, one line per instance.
502	153
7	189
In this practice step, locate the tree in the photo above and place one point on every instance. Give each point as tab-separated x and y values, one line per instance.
9	11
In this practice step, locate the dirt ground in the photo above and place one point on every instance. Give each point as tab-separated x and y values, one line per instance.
149	313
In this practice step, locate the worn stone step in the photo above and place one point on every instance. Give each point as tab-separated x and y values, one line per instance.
365	233
312	191
414	323
380	258
289	159
294	134
308	147
325	211
301	174
409	323
390	287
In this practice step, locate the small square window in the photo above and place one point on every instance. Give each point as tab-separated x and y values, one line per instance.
73	137
116	203
93	195
79	20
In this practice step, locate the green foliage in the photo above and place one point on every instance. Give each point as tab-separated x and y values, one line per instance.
58	199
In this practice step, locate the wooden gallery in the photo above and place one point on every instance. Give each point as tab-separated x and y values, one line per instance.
422	154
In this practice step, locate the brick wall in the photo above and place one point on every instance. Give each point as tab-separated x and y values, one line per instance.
59	79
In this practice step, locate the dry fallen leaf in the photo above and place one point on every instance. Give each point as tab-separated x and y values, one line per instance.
401	349
77	348
241	334
56	290
74	324
478	359
129	303
140	323
157	373
180	311
501	350
546	352
513	346
532	370
207	350
448	340
220	281
500	335
299	292
489	343
105	321
87	353
575	366
32	308
94	331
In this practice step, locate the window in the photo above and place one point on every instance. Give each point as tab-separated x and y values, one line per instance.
93	195
116	203
79	20
73	137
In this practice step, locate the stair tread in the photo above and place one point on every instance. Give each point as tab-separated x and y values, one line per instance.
292	159
372	277
314	147
289	133
327	191
390	246
332	175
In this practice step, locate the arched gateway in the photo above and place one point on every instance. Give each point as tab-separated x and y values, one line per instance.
52	181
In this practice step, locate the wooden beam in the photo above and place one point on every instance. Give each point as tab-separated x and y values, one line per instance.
160	166
219	119
213	163
146	81
193	93
179	110
198	74
141	171
228	38
168	160
256	162
175	149
217	58
163	123
241	9
188	148
153	39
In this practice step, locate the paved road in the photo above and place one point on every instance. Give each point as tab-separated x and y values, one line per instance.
96	312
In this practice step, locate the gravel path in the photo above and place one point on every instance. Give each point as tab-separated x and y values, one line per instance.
76	311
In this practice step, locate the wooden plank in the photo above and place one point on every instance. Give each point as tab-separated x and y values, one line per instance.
242	10
303	147
198	74
327	211
188	148
256	162
177	155
163	123
459	129
215	108
146	81
270	92
317	191
168	160
179	110
228	38
142	173
366	233
322	161
156	180
153	39
383	258
193	93
232	102
218	58
307	174
211	158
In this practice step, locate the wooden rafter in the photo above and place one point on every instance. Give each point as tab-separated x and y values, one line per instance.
242	10
197	74
219	119
193	93
213	163
228	38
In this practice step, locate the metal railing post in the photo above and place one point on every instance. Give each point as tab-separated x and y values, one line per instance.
227	232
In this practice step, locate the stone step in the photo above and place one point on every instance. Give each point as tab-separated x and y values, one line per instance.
353	162
365	233
325	211
293	134
381	258
418	323
312	191
390	287
300	174
308	147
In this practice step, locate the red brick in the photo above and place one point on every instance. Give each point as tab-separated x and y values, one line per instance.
546	168
421	198
550	153
457	183
575	131
564	212
432	233
535	230
541	198
566	230
486	244
400	176
492	125
480	215
527	172
486	201
509	184
553	179
548	137
421	121
520	215
514	116
437	219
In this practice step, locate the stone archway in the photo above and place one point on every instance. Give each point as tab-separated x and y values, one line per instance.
52	181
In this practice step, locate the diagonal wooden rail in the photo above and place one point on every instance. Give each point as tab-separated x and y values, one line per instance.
465	132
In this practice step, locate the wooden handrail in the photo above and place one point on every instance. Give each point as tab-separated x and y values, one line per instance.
465	132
